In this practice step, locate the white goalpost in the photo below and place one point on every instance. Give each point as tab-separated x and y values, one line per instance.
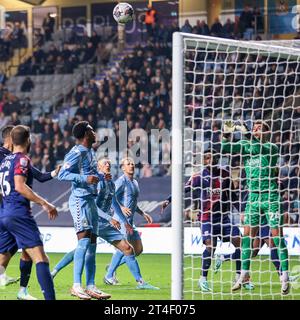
214	81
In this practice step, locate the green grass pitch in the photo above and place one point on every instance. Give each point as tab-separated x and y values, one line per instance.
157	270
262	274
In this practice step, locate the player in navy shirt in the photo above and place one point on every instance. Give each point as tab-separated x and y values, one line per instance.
16	220
25	261
211	190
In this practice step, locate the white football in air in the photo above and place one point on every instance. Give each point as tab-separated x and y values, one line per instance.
123	12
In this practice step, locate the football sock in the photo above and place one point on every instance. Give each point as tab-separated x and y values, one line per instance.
206	262
116	258
235	256
282	253
122	261
45	280
133	267
79	258
25	270
67	259
246	253
275	258
90	264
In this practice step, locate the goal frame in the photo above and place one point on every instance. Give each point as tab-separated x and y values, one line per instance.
177	186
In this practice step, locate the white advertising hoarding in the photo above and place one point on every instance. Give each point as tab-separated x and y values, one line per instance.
156	240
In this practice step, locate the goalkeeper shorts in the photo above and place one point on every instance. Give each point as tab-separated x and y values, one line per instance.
262	208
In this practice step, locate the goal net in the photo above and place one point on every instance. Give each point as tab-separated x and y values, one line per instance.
235	162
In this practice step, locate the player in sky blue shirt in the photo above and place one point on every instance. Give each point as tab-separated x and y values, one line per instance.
127	193
25	261
17	224
80	168
109	228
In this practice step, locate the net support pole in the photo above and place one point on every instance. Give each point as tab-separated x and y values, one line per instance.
177	168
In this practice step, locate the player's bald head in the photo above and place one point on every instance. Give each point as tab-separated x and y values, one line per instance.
20	135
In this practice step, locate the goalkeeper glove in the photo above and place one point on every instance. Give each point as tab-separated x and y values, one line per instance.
229	127
241	126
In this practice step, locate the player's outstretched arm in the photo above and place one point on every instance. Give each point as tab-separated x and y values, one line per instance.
22	188
146	216
45	176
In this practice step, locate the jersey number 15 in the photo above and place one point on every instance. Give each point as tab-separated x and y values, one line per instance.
5	186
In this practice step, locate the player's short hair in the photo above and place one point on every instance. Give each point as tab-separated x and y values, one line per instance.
214	153
20	135
126	159
264	124
80	128
102	160
211	150
5	133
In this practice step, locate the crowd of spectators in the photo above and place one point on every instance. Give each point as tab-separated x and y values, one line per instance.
13	36
138	91
245	26
54	60
246	87
139	94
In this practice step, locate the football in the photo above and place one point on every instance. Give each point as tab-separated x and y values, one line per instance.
123	13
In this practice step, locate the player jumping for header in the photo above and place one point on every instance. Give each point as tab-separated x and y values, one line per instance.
260	158
80	167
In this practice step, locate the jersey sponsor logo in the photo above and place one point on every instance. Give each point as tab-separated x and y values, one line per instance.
66	165
23	162
254	162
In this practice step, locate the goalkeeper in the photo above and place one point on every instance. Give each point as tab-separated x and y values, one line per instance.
263	205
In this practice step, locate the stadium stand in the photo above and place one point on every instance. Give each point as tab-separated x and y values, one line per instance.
135	88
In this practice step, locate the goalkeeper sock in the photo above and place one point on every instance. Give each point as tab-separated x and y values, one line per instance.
67	259
115	262
246	253
275	259
282	253
206	262
90	264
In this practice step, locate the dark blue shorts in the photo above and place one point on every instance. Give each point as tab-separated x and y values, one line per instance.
20	230
223	230
264	232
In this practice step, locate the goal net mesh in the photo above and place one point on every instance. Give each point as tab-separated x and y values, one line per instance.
240	82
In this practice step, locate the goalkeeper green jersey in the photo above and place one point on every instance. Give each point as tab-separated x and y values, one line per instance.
260	162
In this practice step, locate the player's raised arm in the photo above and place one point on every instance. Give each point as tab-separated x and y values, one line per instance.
237	147
68	172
